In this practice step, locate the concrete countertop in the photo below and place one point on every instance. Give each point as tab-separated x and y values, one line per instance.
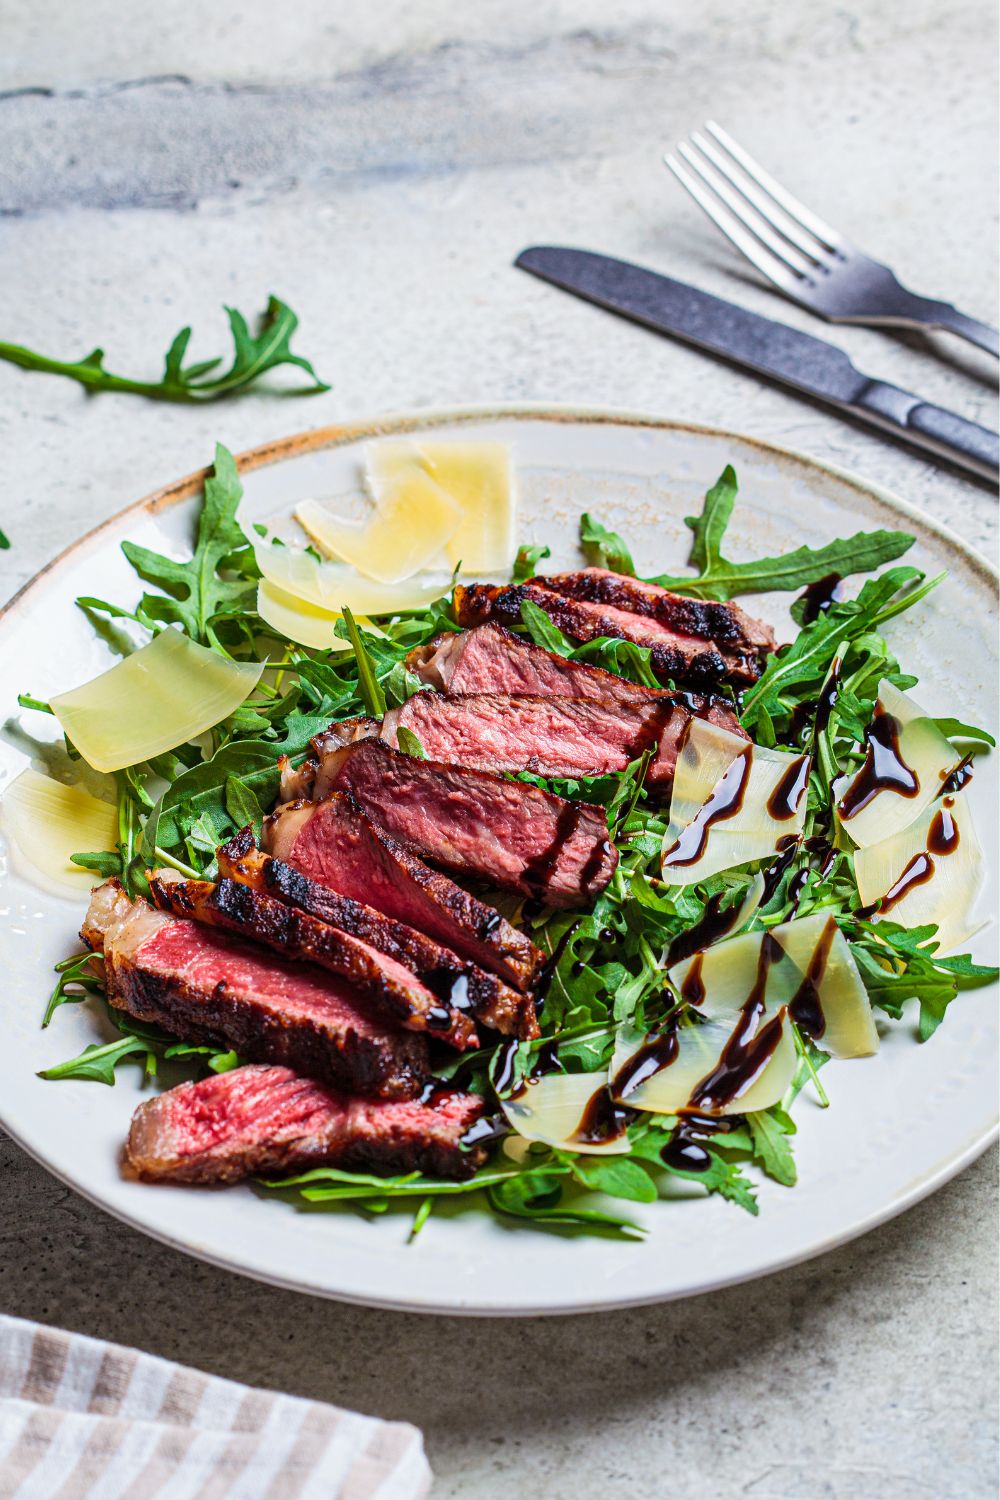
378	166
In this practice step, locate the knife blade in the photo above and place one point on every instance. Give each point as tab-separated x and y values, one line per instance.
772	349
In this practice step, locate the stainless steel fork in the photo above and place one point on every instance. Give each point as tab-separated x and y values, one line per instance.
805	258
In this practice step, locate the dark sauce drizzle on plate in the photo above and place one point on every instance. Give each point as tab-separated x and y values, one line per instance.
817	598
883	770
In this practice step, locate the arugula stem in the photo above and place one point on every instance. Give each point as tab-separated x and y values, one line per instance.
163	858
800	1048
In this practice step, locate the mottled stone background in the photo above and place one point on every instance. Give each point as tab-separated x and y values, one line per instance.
379	165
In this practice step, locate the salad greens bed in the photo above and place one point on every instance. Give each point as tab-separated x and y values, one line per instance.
176	809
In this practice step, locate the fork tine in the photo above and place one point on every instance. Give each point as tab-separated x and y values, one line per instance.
747	216
769	265
775	215
805	216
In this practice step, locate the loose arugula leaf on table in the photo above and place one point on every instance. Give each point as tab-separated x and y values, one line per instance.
719	578
603	548
254	354
4	541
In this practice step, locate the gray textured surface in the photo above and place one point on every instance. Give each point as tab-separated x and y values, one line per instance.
379	166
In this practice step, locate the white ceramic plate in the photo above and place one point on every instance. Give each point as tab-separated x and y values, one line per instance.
899	1125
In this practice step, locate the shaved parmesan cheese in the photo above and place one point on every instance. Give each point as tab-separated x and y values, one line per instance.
906	762
805	965
169	692
931	871
414	521
732	802
295	620
49	821
677	1085
329	586
479	478
552	1108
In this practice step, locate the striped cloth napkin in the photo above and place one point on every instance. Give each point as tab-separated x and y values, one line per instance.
81	1418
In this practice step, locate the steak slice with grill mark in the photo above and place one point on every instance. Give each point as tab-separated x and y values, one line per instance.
268	1120
391	988
727	626
206	987
683	658
337	844
463	985
516	836
548	736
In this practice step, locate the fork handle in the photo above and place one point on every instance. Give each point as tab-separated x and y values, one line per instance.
925	312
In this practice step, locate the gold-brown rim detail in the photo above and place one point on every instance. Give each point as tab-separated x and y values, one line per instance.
341	434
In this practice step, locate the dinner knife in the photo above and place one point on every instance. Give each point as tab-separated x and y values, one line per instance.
772	349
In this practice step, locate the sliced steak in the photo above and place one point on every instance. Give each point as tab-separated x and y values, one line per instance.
392	989
268	1120
491	659
297	781
337	844
683	658
548	736
207	987
509	833
460	984
728	627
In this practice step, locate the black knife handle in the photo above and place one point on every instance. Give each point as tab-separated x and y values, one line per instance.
954	432
941	431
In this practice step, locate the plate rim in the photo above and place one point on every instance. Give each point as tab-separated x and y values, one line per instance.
340	434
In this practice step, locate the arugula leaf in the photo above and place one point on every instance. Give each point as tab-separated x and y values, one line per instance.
898	964
97	1063
368	683
954	729
409	743
253	356
718	578
603	548
618	1176
543	631
769	1131
526	562
193	591
76	982
242	805
5	541
103	862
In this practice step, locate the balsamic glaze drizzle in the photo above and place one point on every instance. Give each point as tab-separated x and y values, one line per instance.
884	768
725	802
817	598
783	803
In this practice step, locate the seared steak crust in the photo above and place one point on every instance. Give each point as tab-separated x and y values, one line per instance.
726	625
336	843
269	1121
516	836
461	984
682	658
391	988
205	987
